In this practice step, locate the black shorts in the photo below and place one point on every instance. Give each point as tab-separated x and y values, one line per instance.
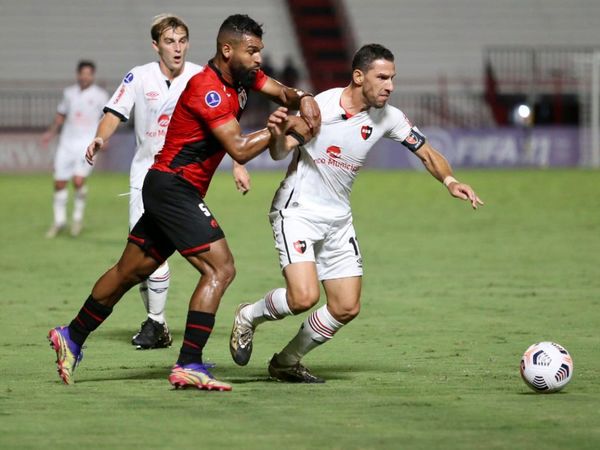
175	218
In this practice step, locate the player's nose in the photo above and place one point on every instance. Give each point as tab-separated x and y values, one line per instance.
389	86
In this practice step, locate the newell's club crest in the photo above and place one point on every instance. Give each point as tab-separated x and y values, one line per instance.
300	246
365	131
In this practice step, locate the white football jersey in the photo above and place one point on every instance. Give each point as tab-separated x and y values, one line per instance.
82	110
322	172
146	89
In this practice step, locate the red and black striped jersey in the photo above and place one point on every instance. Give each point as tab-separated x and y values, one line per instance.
208	101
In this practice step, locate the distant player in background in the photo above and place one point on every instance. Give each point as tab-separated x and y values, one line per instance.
152	91
78	114
204	127
311	215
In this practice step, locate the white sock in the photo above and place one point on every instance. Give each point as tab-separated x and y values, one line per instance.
273	306
60	207
158	286
79	203
319	327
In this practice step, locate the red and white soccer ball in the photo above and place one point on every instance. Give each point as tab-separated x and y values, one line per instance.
546	367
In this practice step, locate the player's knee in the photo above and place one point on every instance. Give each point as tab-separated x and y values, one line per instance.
302	299
344	313
224	274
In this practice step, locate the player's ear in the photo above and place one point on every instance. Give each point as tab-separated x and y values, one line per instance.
226	50
155	45
358	77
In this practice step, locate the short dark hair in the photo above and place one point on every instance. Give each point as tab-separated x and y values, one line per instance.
241	24
365	56
164	22
85	63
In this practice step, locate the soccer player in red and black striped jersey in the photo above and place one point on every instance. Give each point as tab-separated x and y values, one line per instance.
204	127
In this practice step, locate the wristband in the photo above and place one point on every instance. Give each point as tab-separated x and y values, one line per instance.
449	179
296	136
304	94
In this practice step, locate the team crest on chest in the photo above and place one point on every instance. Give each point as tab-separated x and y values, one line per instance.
242	97
365	131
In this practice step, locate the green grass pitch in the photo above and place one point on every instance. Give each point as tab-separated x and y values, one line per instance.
452	297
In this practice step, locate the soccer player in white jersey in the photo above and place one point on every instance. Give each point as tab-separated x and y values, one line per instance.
151	91
311	215
78	114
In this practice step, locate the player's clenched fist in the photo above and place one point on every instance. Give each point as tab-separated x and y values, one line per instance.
287	132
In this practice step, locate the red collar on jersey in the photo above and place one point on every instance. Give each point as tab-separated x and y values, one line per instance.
346	114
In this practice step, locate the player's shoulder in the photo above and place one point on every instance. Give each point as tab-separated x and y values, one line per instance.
71	89
138	73
328	96
329	103
205	80
390	113
192	68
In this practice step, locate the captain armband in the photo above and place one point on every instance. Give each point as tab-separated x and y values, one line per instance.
415	140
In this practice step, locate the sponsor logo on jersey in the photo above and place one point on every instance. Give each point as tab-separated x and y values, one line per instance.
212	99
242	98
214	224
128	78
152	95
334	151
300	246
163	120
365	131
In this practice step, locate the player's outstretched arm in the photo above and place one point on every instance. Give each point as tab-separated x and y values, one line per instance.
241	147
106	128
438	166
295	99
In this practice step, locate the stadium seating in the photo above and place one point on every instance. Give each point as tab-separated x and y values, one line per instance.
53	36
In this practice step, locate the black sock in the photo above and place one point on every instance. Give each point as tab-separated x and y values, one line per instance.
91	315
198	327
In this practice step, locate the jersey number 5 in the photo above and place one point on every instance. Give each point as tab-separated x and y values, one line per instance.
204	209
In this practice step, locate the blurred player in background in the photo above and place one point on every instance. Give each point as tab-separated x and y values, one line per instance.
78	114
204	127
311	215
151	91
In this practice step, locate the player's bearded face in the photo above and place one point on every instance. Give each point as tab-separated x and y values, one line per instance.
172	48
378	83
246	59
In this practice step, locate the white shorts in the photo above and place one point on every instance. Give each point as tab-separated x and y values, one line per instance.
70	162
307	235
136	206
